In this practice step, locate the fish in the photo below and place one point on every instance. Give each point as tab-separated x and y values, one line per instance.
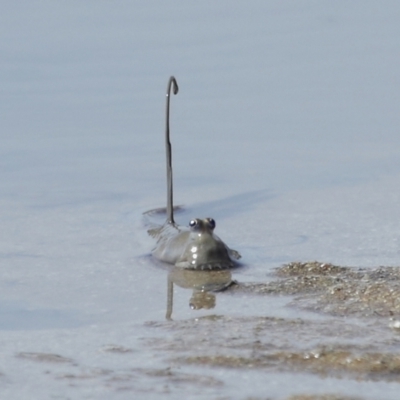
195	247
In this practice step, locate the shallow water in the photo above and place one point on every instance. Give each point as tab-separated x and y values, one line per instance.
285	130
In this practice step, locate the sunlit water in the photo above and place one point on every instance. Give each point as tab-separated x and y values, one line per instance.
285	130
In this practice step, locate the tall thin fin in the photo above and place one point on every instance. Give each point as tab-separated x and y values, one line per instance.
170	204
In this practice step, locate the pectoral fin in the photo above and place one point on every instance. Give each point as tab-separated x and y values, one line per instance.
234	254
154	232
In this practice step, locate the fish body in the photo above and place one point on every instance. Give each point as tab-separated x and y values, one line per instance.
196	247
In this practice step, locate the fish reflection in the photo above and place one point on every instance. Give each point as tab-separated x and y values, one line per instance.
203	283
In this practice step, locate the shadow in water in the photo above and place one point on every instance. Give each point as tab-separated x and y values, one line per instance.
221	208
232	205
204	285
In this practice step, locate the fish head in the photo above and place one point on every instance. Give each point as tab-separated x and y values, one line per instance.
206	225
204	250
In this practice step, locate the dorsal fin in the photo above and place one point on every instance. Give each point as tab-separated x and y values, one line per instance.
170	206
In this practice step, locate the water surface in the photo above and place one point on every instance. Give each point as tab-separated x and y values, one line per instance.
285	131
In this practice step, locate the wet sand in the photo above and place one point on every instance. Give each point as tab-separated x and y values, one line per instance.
355	335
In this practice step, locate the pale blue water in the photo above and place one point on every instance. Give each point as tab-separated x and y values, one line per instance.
285	130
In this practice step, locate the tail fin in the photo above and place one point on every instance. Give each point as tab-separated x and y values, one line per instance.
170	205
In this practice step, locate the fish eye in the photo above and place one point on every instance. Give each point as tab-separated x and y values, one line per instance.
193	223
211	223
